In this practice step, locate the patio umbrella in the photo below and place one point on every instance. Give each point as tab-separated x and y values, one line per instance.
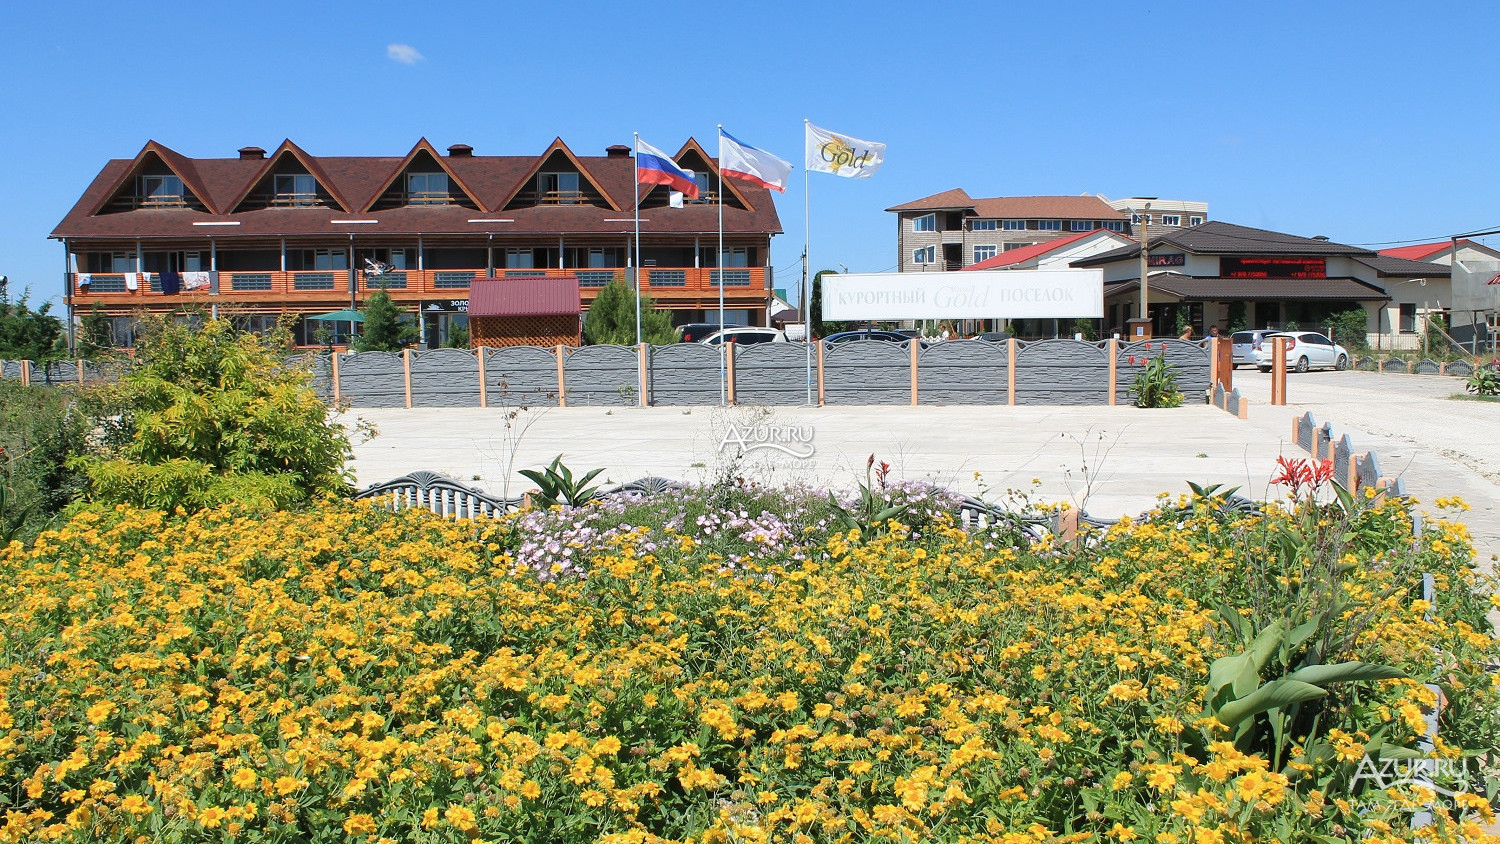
345	315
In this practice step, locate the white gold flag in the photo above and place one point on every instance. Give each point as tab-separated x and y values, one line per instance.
842	155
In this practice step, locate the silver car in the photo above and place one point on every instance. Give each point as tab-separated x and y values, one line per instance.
1304	350
1244	344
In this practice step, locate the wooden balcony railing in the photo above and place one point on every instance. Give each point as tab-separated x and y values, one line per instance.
290	286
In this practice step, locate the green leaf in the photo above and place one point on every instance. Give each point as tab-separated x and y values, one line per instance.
1345	672
1273	695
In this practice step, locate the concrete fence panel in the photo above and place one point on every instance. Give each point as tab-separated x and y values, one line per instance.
867	372
683	374
1460	368
602	375
1395	365
963	372
773	374
1428	366
1062	372
372	379
520	376
444	378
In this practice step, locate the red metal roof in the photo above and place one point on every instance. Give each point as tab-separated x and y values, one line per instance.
524	297
1026	253
1422	251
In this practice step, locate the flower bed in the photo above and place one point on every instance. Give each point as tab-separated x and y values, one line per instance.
724	665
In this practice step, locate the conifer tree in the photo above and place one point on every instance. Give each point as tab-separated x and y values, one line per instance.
611	318
384	329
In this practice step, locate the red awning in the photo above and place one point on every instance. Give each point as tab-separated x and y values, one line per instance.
557	296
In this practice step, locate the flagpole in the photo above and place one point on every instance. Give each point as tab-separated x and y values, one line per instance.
807	276
719	268
637	269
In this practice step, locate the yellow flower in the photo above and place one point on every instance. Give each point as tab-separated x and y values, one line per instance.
360	824
244	778
430	818
211	817
136	805
460	817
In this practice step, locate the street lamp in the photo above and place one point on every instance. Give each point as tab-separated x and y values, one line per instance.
1145	217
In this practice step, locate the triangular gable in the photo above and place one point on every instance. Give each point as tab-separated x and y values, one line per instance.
273	161
693	146
530	175
423	146
180	166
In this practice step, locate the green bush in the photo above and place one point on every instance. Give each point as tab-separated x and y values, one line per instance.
1484	382
40	430
1156	384
1348	329
211	415
611	318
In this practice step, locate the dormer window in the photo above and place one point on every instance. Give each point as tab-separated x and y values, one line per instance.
297	189
427	189
558	189
161	190
706	194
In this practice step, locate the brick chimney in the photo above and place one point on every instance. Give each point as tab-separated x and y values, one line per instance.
460	151
617	151
252	154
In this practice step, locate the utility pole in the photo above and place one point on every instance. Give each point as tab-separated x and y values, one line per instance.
1140	327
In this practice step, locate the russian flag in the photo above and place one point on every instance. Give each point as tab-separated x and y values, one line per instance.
654	167
741	161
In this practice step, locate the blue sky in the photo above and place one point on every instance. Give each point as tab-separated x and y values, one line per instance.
1366	122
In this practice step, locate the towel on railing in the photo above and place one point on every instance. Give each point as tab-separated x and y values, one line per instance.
196	280
85	279
171	283
132	281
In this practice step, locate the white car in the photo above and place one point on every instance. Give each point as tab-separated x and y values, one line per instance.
1244	344
1304	350
744	335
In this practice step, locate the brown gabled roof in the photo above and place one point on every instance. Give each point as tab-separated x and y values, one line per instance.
536	166
423	145
1386	266
180	165
955	198
313	167
220	183
1213	289
1219	238
1085	207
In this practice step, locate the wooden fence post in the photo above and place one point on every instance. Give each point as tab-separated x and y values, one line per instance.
334	374
25	373
729	367
1278	371
406	374
821	397
1010	365
641	367
914	347
79	363
484	398
1114	362
562	383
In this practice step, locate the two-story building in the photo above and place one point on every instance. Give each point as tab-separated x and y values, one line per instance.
1222	275
951	230
258	236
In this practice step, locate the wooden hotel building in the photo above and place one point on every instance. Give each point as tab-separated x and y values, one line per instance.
258	236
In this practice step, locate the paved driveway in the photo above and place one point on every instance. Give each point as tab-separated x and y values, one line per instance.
1112	461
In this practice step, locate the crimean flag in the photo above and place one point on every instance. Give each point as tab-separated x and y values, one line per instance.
654	167
744	162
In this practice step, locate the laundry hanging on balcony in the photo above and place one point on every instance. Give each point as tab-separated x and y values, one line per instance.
196	280
171	283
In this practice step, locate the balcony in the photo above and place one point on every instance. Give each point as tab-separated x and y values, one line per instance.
314	286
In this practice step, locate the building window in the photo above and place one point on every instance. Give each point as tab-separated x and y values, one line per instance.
1014	225
1408	317
520	259
1049	225
1171	220
427	189
558	189
1141	218
984	253
295	189
161	190
1195	221
924	223
706	194
925	255
1010	246
1082	225
1114	225
984	225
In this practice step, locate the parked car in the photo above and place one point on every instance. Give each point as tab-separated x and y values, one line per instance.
744	335
867	334
995	336
1244	344
1304	350
696	331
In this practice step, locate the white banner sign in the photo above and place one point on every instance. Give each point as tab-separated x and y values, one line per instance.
998	294
1476	286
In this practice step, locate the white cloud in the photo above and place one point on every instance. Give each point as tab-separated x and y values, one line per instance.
403	53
